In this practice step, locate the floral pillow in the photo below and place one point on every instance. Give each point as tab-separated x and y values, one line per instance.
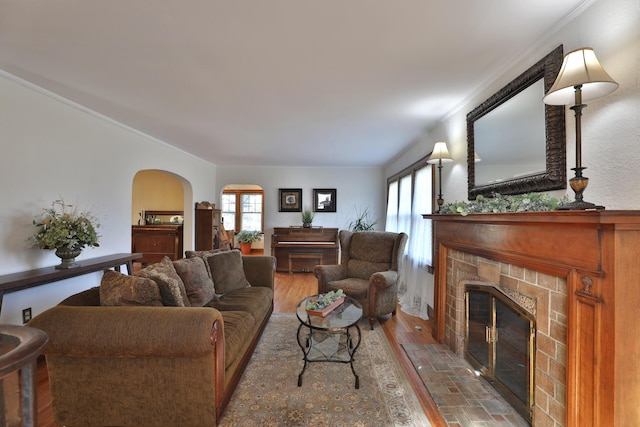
119	289
196	279
171	286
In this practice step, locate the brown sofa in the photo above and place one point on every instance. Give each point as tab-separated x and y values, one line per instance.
152	365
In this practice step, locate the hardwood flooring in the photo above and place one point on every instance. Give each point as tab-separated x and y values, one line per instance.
289	290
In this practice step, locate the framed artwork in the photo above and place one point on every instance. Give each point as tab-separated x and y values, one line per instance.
291	200
324	199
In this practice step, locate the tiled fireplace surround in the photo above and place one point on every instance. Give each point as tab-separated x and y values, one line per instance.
583	270
551	322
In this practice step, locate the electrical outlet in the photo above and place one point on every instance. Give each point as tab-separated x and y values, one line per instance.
26	315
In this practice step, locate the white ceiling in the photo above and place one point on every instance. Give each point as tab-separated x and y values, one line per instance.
273	82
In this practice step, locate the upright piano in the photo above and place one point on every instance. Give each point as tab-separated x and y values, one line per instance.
300	249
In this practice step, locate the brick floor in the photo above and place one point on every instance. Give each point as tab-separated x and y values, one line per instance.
463	399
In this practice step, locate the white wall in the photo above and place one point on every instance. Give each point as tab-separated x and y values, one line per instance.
356	188
610	125
52	148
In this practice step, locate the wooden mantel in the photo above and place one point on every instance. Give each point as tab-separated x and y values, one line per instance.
598	253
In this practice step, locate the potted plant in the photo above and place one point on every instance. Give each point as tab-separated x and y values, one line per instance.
67	230
362	222
245	239
307	218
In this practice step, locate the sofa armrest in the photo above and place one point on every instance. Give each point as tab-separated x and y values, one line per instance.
167	361
130	332
328	273
259	270
383	279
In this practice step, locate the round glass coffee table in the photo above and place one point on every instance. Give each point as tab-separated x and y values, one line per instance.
333	338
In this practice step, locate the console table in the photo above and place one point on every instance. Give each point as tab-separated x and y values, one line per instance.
32	278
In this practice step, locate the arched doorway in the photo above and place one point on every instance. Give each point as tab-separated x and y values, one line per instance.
159	190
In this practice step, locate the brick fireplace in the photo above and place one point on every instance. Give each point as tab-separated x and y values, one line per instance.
550	294
582	267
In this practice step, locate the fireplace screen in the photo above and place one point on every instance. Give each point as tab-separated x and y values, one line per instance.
500	344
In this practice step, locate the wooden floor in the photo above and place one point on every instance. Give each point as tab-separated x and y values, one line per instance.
289	290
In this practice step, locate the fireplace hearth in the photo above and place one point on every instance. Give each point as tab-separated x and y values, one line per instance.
500	343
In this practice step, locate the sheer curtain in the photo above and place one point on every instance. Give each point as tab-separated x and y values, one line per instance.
413	201
392	208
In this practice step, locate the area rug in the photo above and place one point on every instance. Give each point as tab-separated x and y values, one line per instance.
268	393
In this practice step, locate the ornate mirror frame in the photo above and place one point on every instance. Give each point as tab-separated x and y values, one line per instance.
555	176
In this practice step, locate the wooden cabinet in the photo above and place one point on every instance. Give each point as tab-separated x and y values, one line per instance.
300	249
209	230
157	241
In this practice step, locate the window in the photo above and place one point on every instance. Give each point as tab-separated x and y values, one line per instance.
243	210
410	195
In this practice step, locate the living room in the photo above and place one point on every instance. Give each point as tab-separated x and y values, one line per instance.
47	136
54	147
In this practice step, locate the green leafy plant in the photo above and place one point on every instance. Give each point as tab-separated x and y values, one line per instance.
363	222
325	300
64	226
307	216
248	236
529	202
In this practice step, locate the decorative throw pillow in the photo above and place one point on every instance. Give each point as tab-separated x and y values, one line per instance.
196	279
201	254
204	255
170	284
227	271
119	289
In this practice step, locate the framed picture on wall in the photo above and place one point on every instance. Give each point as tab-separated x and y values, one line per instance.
324	199
291	200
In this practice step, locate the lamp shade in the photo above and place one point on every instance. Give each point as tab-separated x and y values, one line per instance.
440	152
580	68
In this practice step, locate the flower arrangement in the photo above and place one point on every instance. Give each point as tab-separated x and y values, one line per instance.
529	202
64	226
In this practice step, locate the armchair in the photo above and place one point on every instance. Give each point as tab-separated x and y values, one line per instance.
369	270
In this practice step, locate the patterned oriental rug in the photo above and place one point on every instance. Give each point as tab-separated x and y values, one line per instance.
268	394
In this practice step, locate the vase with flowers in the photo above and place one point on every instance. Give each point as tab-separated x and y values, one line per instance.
67	230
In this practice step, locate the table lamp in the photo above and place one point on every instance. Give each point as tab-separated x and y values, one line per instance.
439	155
581	78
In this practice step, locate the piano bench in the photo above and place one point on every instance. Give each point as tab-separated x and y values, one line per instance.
305	264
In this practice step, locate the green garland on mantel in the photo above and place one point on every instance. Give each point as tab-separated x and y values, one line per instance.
529	202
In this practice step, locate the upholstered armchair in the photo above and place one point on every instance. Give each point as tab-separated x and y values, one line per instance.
369	270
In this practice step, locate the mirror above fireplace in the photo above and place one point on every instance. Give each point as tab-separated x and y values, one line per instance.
520	141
